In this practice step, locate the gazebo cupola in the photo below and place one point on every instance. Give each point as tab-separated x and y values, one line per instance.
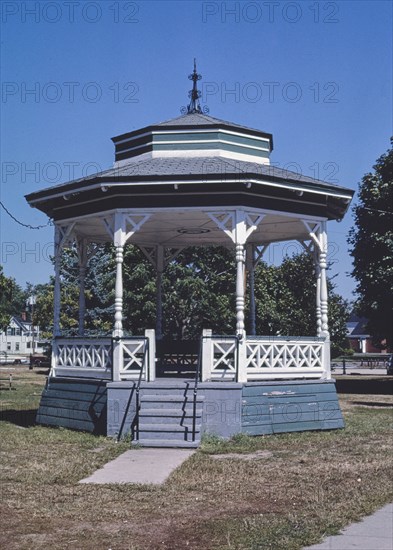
194	134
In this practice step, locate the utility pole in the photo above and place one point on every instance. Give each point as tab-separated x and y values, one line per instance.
31	302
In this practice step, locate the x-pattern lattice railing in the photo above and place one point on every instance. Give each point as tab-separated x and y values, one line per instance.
290	355
83	354
224	358
133	358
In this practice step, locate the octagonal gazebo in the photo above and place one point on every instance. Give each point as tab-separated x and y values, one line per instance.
192	181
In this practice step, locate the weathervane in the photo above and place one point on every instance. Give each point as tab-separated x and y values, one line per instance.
194	95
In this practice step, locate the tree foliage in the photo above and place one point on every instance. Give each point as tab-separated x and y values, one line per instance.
198	292
372	248
12	299
286	302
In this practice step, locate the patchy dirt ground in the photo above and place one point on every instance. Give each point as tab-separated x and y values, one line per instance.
271	492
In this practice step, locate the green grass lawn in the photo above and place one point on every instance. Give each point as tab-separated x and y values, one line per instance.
272	492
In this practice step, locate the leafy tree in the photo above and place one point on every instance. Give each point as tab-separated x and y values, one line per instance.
98	319
285	299
139	291
5	299
372	248
12	299
199	292
338	312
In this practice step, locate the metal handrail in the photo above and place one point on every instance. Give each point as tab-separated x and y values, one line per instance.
197	376
146	358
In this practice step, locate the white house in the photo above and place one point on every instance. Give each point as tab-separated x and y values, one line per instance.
17	339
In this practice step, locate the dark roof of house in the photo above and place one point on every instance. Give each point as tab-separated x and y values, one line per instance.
19	321
359	325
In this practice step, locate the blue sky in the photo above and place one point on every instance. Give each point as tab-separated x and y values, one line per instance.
318	75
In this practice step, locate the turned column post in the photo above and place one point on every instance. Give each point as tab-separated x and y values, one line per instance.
323	281
121	226
324	298
250	260
318	291
240	242
118	326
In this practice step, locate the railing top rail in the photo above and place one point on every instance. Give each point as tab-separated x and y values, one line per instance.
222	337
83	337
287	338
268	338
103	337
118	338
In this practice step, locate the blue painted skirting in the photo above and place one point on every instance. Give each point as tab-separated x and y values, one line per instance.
229	408
278	407
74	403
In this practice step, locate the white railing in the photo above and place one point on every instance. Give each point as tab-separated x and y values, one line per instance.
82	357
219	357
284	357
134	357
116	359
264	358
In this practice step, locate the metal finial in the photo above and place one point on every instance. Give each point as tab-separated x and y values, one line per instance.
194	94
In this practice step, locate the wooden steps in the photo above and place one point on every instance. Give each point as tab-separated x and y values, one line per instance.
166	416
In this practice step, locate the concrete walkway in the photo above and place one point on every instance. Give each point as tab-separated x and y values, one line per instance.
374	532
141	466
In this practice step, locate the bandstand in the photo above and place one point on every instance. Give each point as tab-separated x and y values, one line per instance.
191	181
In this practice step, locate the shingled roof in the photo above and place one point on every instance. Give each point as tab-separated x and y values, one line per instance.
200	119
161	169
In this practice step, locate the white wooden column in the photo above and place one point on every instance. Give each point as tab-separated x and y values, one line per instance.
238	225
318	234
240	241
324	299
118	326
250	263
151	366
121	226
323	280
318	290
160	266
207	355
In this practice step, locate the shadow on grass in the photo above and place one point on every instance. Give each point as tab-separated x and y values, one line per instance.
373	404
23	418
374	386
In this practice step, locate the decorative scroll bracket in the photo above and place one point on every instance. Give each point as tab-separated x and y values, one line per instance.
238	224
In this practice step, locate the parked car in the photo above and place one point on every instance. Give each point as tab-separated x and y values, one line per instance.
39	360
